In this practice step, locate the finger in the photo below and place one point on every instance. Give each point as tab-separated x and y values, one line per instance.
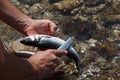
59	53
53	28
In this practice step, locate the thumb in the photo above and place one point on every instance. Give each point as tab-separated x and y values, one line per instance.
53	28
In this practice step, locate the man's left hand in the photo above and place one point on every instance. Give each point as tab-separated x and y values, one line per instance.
46	27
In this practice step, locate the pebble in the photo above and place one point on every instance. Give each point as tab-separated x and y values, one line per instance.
13	1
30	2
116	60
25	11
34	9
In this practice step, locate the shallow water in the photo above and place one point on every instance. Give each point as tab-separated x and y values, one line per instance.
95	24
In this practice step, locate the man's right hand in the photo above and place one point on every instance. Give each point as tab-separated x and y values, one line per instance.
45	62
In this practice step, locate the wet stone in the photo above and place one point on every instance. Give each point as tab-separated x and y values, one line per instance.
34	9
30	2
13	1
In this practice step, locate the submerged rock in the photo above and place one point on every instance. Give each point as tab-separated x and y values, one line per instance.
30	2
34	8
65	5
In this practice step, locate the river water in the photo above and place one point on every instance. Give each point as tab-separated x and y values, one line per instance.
95	25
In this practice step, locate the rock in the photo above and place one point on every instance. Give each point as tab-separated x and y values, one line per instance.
92	42
93	68
105	65
25	11
30	2
65	5
116	60
117	33
34	8
13	1
17	3
91	71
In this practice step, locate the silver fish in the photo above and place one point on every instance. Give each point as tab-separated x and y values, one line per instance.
25	54
50	42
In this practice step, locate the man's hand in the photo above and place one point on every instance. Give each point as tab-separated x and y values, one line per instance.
23	23
45	62
40	27
41	65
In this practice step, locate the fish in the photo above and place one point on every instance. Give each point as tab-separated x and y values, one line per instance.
25	54
50	42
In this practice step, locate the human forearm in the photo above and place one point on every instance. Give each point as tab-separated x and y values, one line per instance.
1	52
13	17
14	68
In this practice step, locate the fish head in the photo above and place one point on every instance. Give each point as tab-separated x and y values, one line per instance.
31	40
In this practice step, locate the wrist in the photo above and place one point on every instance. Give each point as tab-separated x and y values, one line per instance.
30	28
24	24
2	51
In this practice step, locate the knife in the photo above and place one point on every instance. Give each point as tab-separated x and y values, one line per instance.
67	44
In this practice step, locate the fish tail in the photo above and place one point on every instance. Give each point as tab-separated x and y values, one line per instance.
79	67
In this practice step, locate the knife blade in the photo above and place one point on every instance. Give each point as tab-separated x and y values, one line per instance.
67	44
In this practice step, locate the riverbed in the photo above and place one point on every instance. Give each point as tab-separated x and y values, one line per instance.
95	25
